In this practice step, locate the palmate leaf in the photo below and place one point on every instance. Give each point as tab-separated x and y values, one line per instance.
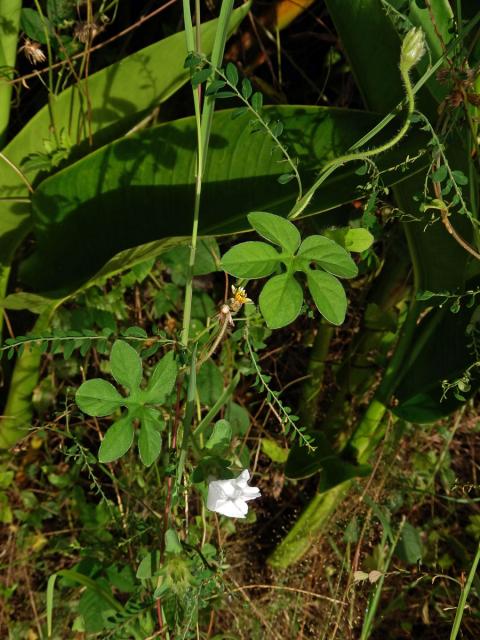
137	173
98	397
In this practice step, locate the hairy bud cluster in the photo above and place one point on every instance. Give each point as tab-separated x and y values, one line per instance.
413	48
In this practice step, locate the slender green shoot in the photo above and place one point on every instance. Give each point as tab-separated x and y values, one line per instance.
462	603
50	71
188	418
373	605
203	125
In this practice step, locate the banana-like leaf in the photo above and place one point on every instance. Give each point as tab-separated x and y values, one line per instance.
141	187
17	413
119	95
367	52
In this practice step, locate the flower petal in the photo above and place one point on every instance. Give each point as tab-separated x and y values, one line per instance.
231	509
250	493
242	479
216	492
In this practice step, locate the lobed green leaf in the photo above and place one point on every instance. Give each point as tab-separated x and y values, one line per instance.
281	300
149	438
98	397
328	254
328	295
126	365
117	440
276	229
251	260
163	378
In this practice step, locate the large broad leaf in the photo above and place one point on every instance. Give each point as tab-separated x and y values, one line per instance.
119	95
141	187
445	354
359	25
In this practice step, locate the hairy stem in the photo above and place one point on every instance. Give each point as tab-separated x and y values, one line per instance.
331	166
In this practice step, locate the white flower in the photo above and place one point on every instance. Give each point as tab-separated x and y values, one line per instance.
229	497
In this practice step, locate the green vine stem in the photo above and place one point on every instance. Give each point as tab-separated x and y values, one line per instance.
41	339
413	48
192	43
462	603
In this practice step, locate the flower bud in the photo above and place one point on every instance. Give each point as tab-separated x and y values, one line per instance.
413	48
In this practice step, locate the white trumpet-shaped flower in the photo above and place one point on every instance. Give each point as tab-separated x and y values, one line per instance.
229	497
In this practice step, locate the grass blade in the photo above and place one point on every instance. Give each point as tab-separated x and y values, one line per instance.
464	595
